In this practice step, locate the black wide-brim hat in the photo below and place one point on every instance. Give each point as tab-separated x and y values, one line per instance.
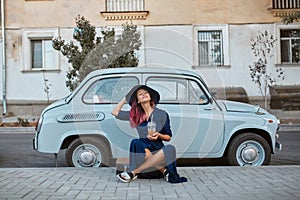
132	94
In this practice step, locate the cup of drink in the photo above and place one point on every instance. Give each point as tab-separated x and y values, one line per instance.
151	128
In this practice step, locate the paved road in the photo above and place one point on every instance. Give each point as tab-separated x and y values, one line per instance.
16	151
276	182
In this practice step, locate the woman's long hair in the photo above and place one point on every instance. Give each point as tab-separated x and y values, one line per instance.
137	113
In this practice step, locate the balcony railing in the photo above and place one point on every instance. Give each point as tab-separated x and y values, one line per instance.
124	5
283	8
286	4
125	10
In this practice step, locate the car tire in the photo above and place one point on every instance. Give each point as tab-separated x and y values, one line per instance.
87	152
249	149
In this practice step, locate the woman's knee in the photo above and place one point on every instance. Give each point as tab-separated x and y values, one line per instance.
148	153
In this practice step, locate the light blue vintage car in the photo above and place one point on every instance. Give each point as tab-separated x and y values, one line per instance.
202	126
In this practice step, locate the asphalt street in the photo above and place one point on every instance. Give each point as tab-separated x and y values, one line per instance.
16	151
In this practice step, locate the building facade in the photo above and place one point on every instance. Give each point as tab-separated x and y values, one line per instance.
212	37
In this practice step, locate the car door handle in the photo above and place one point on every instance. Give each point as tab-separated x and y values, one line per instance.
209	108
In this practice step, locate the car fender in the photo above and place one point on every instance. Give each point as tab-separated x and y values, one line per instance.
81	133
115	150
247	128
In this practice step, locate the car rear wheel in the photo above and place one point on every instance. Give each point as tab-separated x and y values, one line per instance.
87	152
249	149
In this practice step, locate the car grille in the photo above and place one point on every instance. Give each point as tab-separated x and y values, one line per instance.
75	117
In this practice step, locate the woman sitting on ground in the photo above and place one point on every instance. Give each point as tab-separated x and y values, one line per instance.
148	153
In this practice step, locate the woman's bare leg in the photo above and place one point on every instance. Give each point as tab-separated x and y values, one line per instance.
160	166
153	160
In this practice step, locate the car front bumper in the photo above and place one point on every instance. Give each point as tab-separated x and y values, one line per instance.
278	146
34	143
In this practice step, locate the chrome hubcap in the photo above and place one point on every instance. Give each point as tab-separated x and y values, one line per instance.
86	155
250	153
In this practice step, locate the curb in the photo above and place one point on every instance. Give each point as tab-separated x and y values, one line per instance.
17	129
289	127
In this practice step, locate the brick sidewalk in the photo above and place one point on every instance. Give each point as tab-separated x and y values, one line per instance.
267	182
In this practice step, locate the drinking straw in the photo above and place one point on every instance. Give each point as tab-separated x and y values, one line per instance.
151	120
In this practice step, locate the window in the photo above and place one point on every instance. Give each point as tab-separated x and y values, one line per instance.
38	53
109	90
42	54
290	46
170	90
212	46
196	94
175	90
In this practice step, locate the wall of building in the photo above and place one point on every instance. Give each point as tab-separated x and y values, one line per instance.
168	36
174	46
55	13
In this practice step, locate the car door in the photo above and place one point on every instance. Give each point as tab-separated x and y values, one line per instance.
196	120
101	96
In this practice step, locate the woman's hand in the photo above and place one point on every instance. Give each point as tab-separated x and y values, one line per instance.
154	136
157	135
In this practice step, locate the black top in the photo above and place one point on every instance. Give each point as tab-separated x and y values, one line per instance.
160	117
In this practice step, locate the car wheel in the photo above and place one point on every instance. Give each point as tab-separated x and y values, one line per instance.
249	149
87	152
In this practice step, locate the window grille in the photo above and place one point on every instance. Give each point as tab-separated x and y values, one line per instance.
290	46
210	45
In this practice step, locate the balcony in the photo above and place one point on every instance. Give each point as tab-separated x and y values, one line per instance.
125	10
283	8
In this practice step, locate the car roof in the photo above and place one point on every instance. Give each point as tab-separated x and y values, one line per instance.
135	70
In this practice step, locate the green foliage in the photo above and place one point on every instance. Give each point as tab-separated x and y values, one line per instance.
107	51
291	18
23	122
114	51
262	47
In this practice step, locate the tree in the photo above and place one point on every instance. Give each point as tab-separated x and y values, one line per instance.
106	51
112	51
261	47
291	18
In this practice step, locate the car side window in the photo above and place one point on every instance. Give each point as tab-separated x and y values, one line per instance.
171	90
178	90
109	90
196	94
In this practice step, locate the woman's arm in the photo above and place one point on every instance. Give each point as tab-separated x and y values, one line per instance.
118	107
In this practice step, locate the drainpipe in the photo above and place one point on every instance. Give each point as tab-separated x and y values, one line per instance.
3	59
